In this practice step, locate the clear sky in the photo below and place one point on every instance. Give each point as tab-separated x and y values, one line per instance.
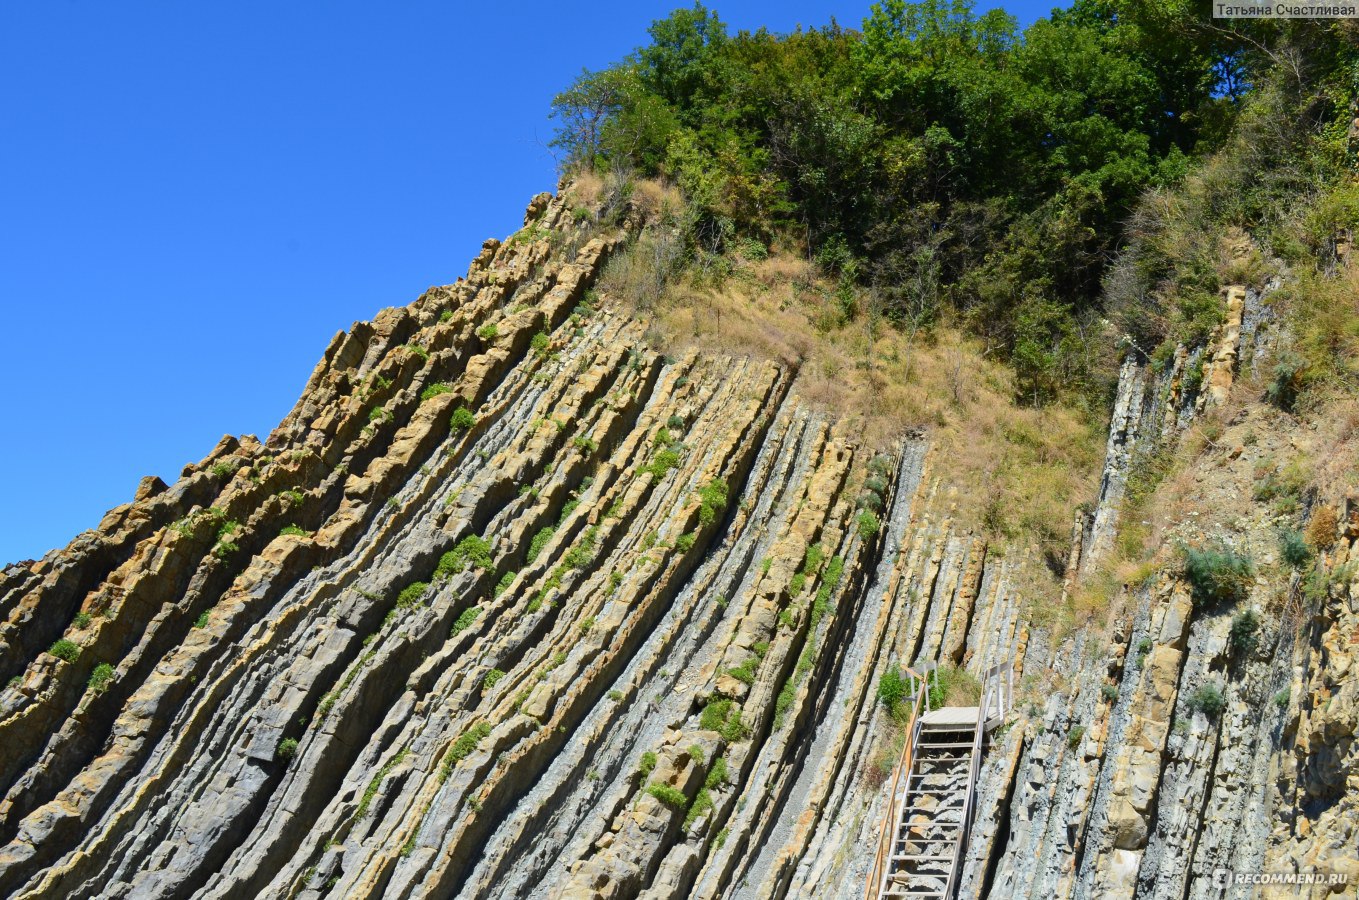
196	196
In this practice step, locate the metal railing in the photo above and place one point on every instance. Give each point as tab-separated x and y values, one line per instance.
877	879
997	691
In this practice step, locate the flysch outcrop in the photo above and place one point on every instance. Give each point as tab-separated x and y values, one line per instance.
511	605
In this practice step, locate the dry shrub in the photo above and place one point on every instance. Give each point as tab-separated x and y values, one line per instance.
1018	471
1321	527
585	189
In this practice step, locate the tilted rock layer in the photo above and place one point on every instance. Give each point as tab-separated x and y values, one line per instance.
510	605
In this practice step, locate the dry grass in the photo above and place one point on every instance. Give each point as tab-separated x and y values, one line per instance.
1017	472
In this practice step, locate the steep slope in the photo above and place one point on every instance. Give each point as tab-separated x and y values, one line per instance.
512	605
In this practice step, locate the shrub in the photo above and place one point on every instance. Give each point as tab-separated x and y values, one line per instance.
418	352
1281	698
580	556
662	462
1245	633
286	750
647	764
435	390
446	315
539	541
717	775
82	620
464	745
470	551
674	422
1109	692
1286	381
867	523
202	621
465	619
672	797
488	332
796	584
703	803
294	530
504	583
378	414
293	497
892	688
745	672
712	500
492	677
585	445
868	501
1293	548
1073	737
724	717
586	624
540	343
1216	575
65	650
616	695
685	542
410	595
463	419
1209	700
100	678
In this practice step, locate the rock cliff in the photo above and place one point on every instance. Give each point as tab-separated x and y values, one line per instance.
512	605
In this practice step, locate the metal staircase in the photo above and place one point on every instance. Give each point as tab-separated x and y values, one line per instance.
924	835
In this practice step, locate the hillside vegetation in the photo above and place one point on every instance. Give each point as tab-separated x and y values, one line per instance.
940	165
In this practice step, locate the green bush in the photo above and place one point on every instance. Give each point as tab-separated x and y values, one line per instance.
893	687
1109	692
712	501
411	594
463	419
1208	700
647	764
418	352
685	542
796	584
662	462
435	390
717	775
378	414
470	551
492	678
540	342
539	541
745	672
1245	633
724	717
1293	548
867	523
82	620
504	583
1281	698
465	744
286	750
1073	737
294	530
100	678
583	553
294	497
202	621
1217	575
585	445
675	423
465	619
65	650
703	803
488	332
672	797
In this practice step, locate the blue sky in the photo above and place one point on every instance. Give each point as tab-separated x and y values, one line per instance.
197	196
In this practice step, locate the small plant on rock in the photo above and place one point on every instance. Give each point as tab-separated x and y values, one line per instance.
463	419
1209	700
100	678
286	750
1245	634
1217	574
65	650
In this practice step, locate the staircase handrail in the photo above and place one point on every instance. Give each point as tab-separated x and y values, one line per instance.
877	877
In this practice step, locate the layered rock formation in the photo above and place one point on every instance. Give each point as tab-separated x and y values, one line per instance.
511	605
